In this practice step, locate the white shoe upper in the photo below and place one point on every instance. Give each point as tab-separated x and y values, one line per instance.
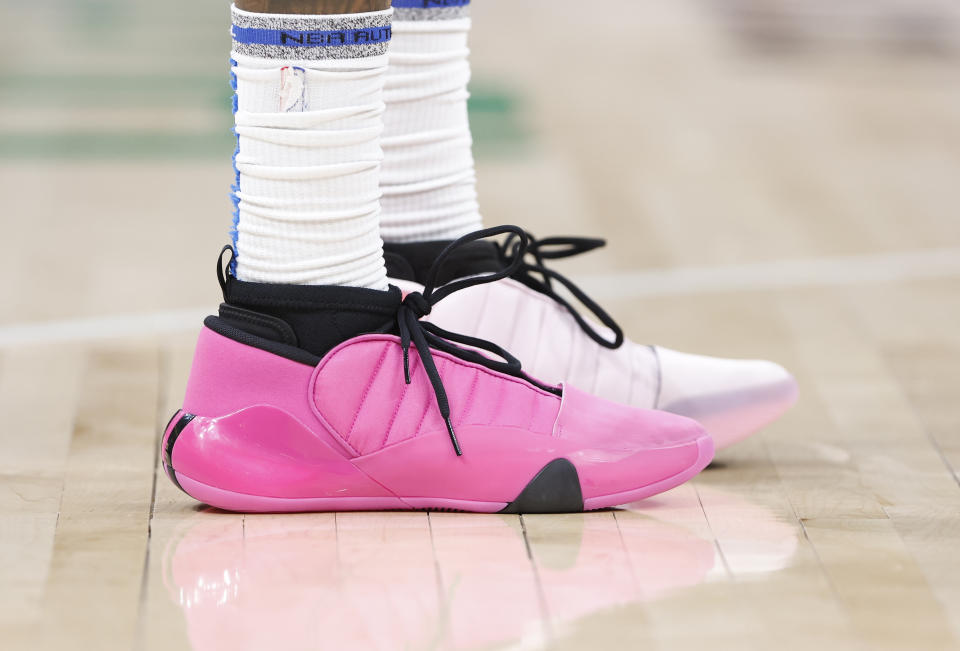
731	398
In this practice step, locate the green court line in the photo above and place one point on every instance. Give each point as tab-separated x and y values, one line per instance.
494	119
125	90
123	145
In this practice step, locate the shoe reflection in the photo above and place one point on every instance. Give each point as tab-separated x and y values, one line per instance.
753	538
403	580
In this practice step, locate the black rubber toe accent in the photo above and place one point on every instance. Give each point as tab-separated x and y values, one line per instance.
555	489
168	448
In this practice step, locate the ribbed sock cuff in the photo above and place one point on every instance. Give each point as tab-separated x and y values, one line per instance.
431	9
307	38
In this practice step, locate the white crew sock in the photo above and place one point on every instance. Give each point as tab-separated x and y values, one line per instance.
428	180
309	115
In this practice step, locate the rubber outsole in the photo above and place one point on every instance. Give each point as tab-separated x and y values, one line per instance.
555	489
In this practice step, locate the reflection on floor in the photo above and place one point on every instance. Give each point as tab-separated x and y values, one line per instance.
388	580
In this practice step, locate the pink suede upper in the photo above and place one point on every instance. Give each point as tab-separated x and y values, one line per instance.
590	421
388	411
227	376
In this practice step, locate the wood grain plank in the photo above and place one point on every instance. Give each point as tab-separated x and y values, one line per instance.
884	592
897	462
486	576
92	592
178	527
38	398
582	564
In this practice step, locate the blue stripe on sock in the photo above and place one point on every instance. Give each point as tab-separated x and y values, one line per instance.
429	4
235	188
320	38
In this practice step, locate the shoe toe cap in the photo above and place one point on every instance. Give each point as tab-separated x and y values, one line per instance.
624	448
732	398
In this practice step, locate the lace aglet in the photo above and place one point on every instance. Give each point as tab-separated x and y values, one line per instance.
406	367
453	437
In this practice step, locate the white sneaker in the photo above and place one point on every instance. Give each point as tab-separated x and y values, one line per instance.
731	398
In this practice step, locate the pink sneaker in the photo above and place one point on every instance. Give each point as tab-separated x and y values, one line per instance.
731	398
307	398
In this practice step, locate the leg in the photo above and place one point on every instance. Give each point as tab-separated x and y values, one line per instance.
428	179
309	105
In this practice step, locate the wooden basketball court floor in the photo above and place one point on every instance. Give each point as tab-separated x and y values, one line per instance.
801	207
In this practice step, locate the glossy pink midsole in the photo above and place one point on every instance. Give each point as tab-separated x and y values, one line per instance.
263	459
231	501
234	501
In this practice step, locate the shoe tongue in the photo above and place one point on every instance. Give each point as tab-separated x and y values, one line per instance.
320	316
412	260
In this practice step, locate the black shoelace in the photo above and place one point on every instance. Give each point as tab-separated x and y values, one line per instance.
552	248
426	335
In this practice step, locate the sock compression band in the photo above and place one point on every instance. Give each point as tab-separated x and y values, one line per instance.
430	9
309	115
428	178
